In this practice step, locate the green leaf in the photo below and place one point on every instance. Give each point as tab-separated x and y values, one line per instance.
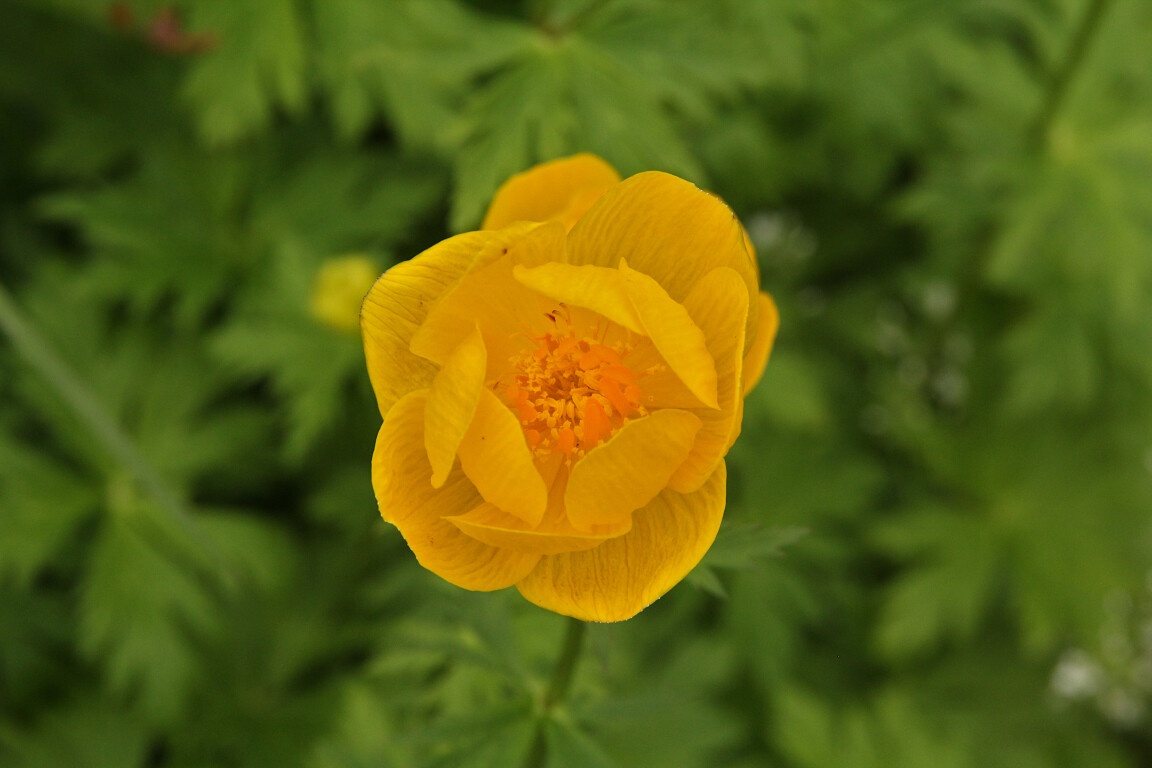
411	60
141	612
312	367
88	732
365	735
560	96
741	547
335	202
493	740
34	626
948	596
41	505
569	747
666	715
164	233
256	66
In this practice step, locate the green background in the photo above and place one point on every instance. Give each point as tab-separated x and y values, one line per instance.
938	547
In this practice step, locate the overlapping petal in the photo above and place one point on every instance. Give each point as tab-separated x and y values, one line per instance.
491	525
452	401
495	457
718	304
396	308
624	473
622	576
486	296
668	229
599	289
402	480
561	190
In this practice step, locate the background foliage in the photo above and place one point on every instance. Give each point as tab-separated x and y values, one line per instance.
952	203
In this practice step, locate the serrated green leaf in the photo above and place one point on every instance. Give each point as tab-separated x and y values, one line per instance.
947	597
560	96
256	65
741	547
140	614
492	740
312	367
41	505
164	233
411	60
569	747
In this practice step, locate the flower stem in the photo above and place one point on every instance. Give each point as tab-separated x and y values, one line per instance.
557	689
1062	78
565	665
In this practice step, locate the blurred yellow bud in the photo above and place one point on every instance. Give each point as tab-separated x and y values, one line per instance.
339	288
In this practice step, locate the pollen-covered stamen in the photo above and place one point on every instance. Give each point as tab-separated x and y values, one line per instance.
571	393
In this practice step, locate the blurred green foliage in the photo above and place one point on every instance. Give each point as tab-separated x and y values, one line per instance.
939	540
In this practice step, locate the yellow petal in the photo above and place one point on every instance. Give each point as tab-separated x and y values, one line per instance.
452	403
599	289
401	478
559	190
666	228
489	524
623	474
496	458
397	306
757	358
676	337
621	577
488	296
718	304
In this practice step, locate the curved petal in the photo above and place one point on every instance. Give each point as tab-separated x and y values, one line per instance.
495	456
398	304
623	474
452	404
401	478
718	304
488	296
599	289
757	358
491	525
621	577
676	337
562	190
667	228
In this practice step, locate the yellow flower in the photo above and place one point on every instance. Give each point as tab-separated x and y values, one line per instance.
338	289
560	389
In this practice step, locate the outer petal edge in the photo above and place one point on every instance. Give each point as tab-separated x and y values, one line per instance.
621	577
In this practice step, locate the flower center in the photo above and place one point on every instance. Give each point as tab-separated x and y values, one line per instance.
571	393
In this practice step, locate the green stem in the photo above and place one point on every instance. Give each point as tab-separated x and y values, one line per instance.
39	354
1062	79
557	689
565	665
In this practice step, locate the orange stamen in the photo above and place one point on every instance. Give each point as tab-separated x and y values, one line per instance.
618	374
596	424
611	390
566	441
570	393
